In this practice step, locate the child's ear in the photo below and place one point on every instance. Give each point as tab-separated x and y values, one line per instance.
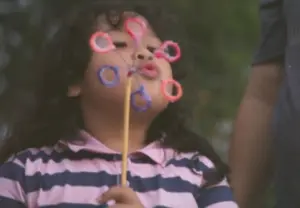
74	91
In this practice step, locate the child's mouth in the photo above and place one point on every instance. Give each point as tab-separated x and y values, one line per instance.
149	71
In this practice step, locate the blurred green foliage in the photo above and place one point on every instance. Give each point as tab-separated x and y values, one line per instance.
225	34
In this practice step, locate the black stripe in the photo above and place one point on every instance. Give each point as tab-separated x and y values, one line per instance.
70	205
196	164
83	154
57	157
143	159
10	203
174	184
214	195
46	182
13	171
160	206
28	155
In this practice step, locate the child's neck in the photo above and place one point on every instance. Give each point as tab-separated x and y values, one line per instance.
110	132
113	139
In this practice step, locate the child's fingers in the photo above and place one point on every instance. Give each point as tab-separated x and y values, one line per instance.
121	195
121	206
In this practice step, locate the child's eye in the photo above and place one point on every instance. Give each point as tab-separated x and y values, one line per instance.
120	44
151	49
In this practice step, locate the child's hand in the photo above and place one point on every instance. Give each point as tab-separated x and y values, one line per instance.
123	196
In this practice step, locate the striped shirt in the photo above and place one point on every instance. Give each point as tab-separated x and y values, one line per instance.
75	174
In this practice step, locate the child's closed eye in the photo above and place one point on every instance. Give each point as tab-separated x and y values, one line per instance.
123	44
120	44
152	49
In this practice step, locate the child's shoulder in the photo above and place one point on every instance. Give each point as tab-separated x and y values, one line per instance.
193	160
32	155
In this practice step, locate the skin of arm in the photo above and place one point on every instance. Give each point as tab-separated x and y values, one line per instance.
250	153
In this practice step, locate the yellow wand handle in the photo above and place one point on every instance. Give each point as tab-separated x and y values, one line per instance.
126	131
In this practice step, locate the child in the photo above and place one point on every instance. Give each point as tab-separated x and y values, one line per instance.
66	153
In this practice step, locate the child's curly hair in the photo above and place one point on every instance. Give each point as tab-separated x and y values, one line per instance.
35	105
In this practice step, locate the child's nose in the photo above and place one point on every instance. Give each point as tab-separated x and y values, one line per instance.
143	55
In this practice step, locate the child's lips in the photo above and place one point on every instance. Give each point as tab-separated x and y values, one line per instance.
149	71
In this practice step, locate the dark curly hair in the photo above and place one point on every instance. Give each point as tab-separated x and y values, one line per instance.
47	114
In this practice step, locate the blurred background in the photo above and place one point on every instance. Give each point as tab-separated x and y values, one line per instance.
224	34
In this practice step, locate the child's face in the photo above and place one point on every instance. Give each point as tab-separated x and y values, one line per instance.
126	53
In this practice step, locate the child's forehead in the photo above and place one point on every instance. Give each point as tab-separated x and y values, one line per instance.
105	22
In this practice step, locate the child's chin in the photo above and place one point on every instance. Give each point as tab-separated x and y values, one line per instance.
159	104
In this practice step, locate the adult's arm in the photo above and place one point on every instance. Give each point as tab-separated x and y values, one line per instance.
250	154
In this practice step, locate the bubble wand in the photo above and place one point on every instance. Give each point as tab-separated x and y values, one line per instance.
136	29
101	42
